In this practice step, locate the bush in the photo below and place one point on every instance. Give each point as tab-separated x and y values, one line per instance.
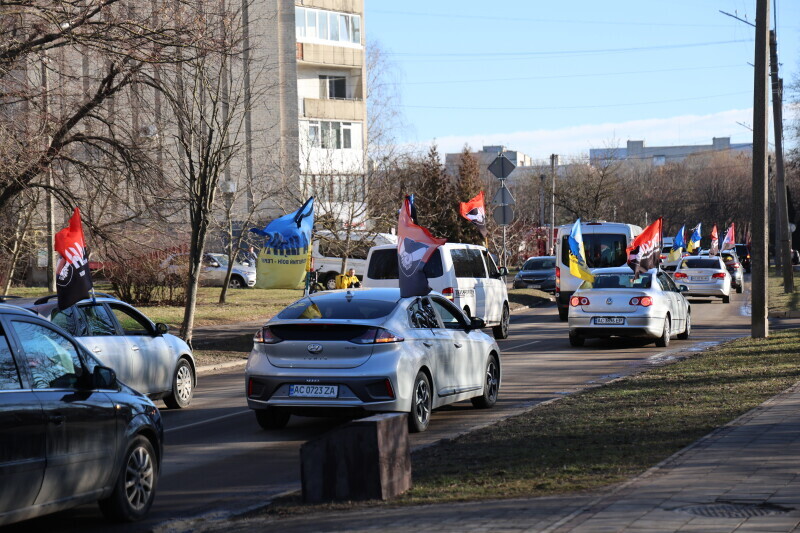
143	280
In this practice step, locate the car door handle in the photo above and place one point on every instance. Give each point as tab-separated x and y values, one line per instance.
457	345
428	344
56	419
97	349
135	348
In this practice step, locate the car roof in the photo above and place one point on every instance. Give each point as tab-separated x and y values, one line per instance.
364	293
625	269
14	309
540	257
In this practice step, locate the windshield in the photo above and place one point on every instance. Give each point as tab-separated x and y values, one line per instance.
338	307
618	281
602	249
221	259
539	264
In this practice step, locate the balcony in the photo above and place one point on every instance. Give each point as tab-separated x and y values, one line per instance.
329	55
335	109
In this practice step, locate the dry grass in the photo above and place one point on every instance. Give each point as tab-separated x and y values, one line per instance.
780	301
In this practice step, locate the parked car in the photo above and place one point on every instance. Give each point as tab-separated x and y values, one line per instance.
328	249
704	276
795	257
537	273
70	432
735	269
619	304
175	268
143	354
465	273
743	251
353	351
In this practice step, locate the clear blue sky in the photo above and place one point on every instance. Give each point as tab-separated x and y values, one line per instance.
563	77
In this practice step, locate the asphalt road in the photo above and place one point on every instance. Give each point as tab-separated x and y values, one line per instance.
218	459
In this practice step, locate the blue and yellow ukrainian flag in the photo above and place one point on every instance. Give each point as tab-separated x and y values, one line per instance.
694	240
577	255
678	244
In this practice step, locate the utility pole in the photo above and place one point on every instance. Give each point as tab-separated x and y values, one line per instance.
782	227
49	200
541	207
550	242
758	251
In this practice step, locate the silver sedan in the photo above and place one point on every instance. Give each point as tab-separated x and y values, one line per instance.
704	276
619	304
350	352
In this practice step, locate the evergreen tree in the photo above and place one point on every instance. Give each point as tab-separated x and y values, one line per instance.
468	184
435	198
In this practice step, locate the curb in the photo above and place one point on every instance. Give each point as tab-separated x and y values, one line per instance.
210	369
784	314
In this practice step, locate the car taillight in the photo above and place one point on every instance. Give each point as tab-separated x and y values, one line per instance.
265	336
558	280
376	336
644	301
575	301
719	275
448	293
736	265
389	389
679	275
250	387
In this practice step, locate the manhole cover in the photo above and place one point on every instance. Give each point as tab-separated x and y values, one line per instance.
733	510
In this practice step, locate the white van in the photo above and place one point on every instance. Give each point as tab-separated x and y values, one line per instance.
327	253
464	273
596	236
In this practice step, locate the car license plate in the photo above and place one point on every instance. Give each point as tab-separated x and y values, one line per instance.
614	320
534	286
314	391
700	278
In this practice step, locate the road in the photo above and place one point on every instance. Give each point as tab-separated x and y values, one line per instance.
217	457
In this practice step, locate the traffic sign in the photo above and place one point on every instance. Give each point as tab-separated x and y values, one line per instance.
503	197
503	215
501	167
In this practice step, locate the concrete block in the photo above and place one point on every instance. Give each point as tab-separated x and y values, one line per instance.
362	460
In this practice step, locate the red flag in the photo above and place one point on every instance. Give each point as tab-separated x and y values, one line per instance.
714	250
474	210
729	242
73	279
415	245
644	252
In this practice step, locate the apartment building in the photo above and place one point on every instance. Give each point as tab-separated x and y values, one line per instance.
637	152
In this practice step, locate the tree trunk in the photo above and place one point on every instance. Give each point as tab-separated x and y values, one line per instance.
196	250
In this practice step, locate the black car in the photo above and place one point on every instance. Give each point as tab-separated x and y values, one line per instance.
70	433
743	252
537	273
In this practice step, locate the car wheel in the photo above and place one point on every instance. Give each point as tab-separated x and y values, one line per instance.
182	386
272	418
491	385
575	339
726	299
421	404
236	282
501	330
563	314
663	340
688	330
739	289
135	487
330	282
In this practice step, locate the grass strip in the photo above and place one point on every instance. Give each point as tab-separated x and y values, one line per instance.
778	300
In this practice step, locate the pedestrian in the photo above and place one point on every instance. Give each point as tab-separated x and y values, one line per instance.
348	280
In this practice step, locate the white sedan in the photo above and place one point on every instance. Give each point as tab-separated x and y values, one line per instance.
619	304
704	276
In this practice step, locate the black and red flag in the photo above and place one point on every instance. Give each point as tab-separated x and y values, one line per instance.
415	245
644	252
474	210
73	279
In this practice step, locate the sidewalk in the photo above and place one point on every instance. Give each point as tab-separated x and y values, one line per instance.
742	477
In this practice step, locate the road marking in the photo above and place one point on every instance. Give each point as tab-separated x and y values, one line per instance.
193	424
521	345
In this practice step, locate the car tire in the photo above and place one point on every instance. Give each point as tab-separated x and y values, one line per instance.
739	289
272	418
135	486
183	382
501	330
491	385
663	340
563	314
726	299
575	339
236	283
330	282
421	404
688	329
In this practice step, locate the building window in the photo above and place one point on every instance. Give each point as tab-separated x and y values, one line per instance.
347	141
333	87
319	25
659	160
313	134
331	135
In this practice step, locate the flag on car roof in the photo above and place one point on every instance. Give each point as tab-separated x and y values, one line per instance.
694	240
577	254
644	251
714	249
73	278
678	244
729	242
415	246
474	210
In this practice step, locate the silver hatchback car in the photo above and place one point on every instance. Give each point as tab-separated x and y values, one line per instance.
619	304
351	352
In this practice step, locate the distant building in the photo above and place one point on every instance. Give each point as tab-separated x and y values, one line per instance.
662	155
485	156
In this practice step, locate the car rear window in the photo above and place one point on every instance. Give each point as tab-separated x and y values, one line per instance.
337	307
383	264
618	281
602	249
468	263
539	264
700	263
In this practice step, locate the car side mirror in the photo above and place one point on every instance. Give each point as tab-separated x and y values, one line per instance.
683	288
104	378
503	271
213	264
476	323
162	328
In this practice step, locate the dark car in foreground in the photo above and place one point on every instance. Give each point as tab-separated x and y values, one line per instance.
537	273
70	433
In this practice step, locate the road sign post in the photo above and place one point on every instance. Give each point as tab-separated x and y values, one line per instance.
503	214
